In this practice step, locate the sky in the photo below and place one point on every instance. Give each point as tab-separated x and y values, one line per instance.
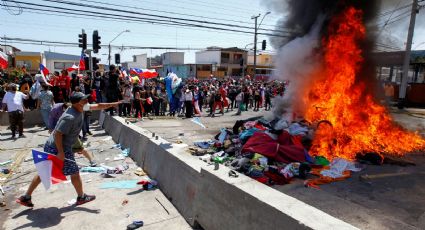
44	26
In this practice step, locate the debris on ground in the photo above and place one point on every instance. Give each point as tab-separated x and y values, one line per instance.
123	184
277	152
6	162
139	172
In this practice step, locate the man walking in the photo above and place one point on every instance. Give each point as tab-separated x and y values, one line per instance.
14	101
60	144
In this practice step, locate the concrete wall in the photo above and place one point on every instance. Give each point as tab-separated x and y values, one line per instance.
173	58
210	198
31	118
208	57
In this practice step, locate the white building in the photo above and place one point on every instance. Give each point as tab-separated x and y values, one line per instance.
58	61
139	61
173	58
224	61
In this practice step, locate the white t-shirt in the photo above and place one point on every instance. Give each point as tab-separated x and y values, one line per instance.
14	101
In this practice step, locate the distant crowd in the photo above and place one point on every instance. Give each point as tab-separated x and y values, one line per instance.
146	97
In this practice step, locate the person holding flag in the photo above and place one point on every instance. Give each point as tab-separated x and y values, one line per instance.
60	143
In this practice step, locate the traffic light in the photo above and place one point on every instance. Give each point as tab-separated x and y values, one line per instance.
96	42
117	58
95	63
263	45
82	41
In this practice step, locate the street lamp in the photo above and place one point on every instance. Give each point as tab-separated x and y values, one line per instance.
109	45
255	37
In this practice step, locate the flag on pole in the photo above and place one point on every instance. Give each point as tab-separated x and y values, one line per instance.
3	61
82	65
49	168
44	70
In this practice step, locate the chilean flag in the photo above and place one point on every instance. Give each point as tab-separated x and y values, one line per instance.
44	70
49	168
73	68
82	65
144	73
136	71
3	60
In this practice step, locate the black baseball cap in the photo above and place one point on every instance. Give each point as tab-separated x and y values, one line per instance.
78	96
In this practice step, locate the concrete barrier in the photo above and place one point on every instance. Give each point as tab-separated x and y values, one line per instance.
210	198
31	118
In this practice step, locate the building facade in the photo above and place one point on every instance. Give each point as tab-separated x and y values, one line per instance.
30	60
139	62
221	62
173	62
265	66
59	61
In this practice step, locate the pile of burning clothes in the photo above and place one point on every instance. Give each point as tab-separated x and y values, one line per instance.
273	152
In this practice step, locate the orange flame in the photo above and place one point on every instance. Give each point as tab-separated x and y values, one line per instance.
358	124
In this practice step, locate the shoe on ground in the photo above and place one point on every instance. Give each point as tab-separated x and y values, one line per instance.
22	136
93	164
25	201
89	133
85	199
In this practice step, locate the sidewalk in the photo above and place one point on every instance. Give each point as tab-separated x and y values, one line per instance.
113	208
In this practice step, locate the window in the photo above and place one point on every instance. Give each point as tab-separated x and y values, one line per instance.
237	58
62	65
225	58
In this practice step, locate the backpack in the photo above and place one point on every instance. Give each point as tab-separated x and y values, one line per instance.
35	90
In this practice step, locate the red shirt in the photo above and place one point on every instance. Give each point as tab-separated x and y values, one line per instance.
64	82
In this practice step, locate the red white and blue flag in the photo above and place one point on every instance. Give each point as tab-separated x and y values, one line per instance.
49	168
3	60
44	70
82	63
72	68
144	73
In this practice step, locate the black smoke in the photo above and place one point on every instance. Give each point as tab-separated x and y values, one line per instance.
298	16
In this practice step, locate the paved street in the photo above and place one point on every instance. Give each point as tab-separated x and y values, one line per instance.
113	208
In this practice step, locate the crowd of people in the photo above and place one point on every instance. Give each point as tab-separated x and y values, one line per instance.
144	97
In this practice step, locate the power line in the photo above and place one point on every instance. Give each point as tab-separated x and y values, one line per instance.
232	9
394	10
156	16
169	12
74	44
162	11
117	20
397	18
130	18
389	18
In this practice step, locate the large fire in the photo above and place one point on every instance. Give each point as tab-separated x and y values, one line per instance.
356	122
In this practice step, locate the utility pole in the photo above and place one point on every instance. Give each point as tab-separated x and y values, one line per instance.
255	44
406	63
109	54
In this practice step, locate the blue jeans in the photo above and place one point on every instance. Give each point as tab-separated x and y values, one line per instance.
45	115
